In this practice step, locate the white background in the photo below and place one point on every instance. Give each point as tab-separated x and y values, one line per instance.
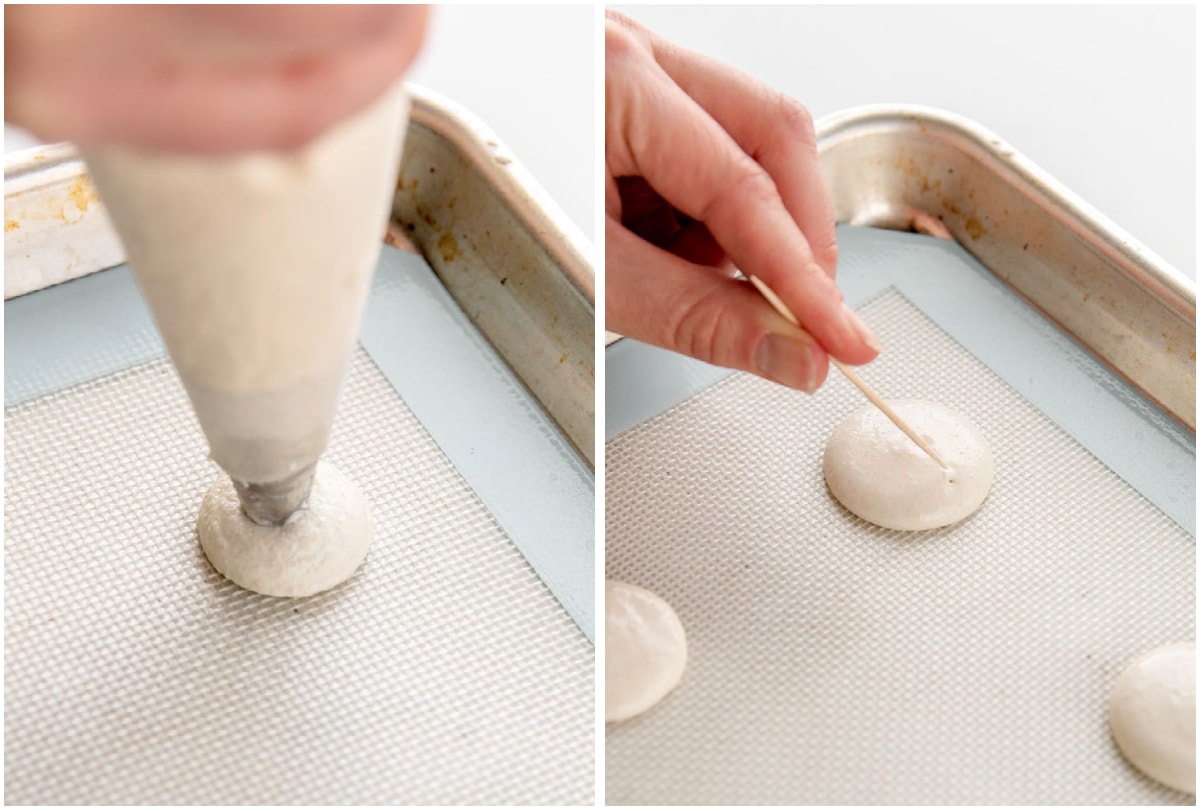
527	71
1103	98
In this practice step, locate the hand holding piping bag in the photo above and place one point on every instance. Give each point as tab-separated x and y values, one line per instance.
200	125
200	79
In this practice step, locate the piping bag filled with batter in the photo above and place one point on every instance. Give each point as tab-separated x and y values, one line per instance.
256	267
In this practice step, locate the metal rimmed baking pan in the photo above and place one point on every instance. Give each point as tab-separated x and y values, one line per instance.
831	661
1117	298
455	666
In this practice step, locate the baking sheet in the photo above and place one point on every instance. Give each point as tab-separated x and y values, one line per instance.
887	164
452	668
835	662
483	418
1126	430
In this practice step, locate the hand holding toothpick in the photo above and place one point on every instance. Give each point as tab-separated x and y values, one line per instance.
709	171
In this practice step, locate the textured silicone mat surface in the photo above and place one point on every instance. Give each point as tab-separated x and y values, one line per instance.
1127	432
831	661
488	424
443	672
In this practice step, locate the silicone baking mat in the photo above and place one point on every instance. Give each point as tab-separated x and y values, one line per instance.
832	661
445	671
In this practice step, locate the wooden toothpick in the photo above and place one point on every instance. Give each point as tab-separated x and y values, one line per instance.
876	400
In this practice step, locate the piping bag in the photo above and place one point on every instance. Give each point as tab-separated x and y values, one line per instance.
256	267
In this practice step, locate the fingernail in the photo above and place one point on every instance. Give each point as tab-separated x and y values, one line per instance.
860	328
788	361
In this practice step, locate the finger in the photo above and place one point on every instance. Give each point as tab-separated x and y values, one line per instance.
773	128
663	300
258	34
243	35
179	106
655	130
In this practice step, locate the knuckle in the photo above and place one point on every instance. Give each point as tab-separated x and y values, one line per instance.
822	244
796	120
830	250
812	290
750	188
623	38
700	325
618	42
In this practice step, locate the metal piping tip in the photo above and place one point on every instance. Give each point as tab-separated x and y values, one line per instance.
272	503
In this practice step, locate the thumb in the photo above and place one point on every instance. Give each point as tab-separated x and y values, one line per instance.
656	297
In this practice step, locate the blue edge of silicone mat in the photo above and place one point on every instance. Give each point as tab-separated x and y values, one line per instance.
508	450
1128	433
